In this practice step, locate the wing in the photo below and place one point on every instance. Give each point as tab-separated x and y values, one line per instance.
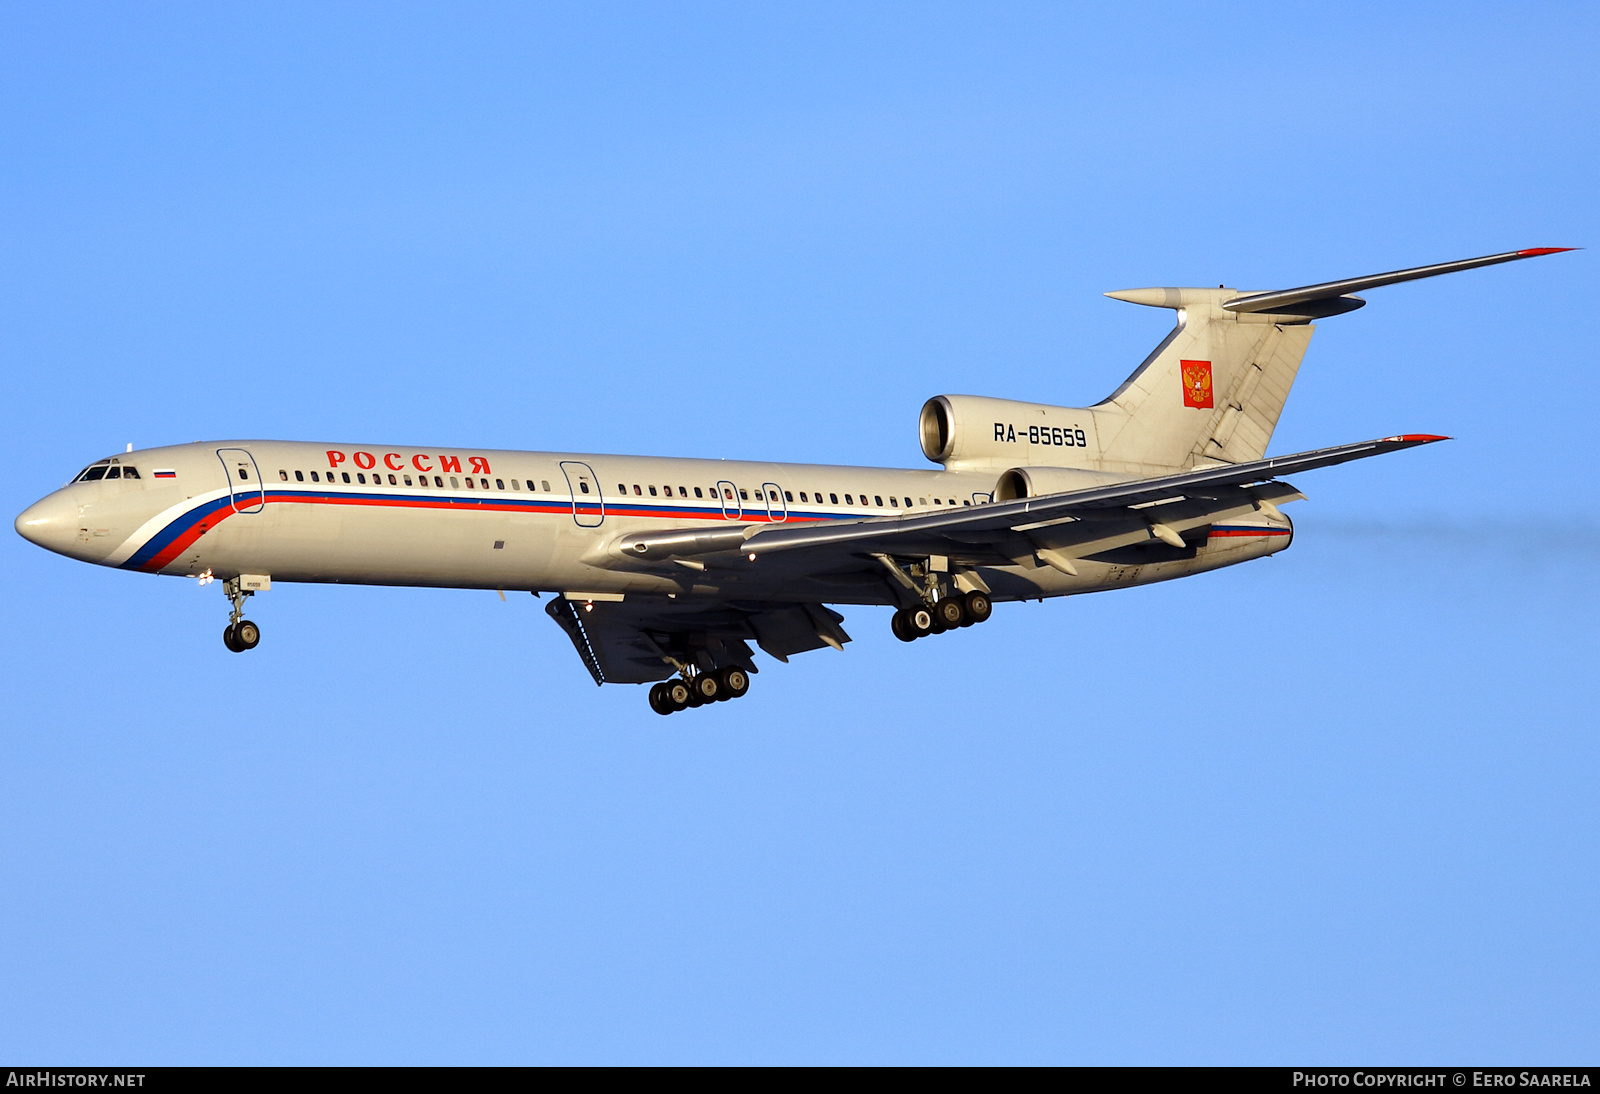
640	641
1053	528
648	639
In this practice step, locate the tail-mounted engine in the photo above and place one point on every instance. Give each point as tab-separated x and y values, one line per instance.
1033	482
970	432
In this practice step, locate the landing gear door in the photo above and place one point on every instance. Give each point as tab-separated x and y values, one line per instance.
588	506
777	510
244	479
728	495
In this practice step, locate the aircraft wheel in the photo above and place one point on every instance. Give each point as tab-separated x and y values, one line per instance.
658	700
951	612
246	635
229	640
919	621
735	682
978	606
675	694
707	687
902	629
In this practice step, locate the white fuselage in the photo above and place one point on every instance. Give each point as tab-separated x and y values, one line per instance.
535	521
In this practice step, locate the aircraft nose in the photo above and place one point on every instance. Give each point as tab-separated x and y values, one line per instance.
51	522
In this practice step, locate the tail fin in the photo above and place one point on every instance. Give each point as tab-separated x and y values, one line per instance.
1215	387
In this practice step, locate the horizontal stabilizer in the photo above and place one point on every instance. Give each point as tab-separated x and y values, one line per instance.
1320	297
1314	301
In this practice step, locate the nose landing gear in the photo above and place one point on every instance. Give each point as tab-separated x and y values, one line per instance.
240	634
699	688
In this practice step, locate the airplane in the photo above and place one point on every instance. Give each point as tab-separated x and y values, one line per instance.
664	570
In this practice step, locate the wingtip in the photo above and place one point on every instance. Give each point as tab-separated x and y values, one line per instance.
1417	438
1529	252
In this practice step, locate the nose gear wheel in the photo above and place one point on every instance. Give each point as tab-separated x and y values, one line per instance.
240	634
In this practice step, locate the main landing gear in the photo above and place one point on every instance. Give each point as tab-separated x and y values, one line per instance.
671	696
240	634
944	614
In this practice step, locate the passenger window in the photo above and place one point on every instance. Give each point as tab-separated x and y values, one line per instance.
667	490
484	483
966	503
437	481
581	486
652	491
908	503
697	492
802	495
314	477
392	481
408	480
683	491
300	476
924	501
362	479
743	493
130	472
544	484
515	485
343	474
455	483
847	500
283	475
623	490
875	500
788	496
470	484
243	474
893	501
834	498
114	473
499	484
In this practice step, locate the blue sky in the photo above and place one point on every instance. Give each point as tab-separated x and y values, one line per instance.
1335	806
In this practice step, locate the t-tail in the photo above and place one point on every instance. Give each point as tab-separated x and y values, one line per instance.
1212	391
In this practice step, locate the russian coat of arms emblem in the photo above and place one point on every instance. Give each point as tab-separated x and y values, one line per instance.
1196	383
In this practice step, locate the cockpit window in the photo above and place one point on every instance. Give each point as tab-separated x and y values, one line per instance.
94	474
114	473
130	472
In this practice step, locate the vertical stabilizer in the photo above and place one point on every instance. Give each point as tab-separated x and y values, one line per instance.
1212	390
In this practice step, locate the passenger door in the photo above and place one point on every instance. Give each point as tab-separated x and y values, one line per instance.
244	479
588	505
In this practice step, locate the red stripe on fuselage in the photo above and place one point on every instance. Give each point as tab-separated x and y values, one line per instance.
554	508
